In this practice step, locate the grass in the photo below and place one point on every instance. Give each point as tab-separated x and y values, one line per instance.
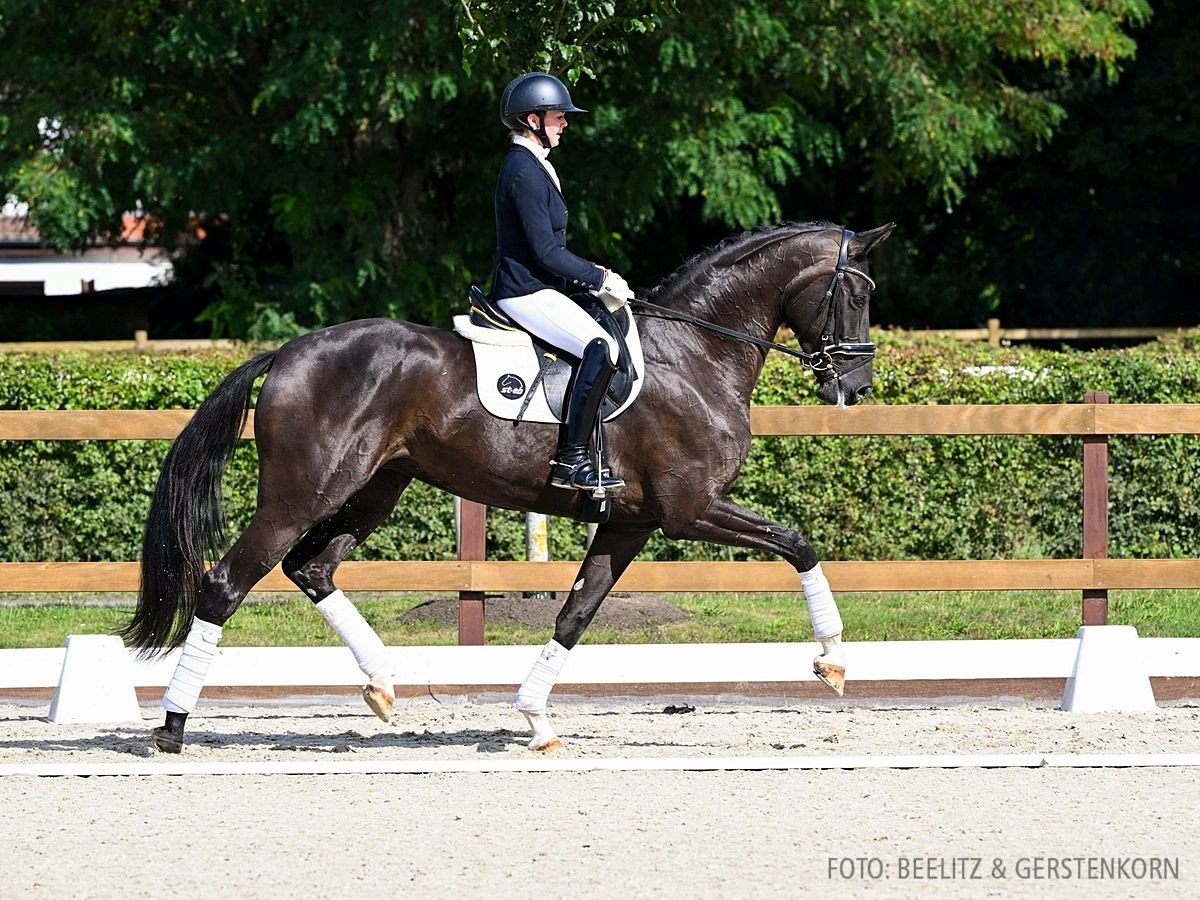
288	620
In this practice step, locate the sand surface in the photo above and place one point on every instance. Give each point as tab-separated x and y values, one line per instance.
967	832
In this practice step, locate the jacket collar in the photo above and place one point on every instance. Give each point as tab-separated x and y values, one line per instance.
541	154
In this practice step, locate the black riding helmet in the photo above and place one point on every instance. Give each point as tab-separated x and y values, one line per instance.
536	92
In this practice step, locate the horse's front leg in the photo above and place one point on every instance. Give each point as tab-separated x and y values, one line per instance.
613	548
724	522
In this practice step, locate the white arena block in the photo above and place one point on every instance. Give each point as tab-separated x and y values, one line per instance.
96	683
1109	674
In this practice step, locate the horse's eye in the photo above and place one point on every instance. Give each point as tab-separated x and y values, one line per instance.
858	301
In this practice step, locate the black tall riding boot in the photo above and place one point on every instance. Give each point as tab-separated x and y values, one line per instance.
572	467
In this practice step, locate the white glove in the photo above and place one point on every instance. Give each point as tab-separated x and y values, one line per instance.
616	287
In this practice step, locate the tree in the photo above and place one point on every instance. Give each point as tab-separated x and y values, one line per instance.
340	160
1100	228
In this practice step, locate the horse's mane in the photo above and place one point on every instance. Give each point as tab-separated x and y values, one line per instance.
727	252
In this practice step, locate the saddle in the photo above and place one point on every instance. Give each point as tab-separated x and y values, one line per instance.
520	377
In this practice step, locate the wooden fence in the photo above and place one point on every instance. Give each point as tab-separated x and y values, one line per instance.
140	343
1094	421
995	335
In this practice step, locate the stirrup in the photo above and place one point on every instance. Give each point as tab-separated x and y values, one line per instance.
582	476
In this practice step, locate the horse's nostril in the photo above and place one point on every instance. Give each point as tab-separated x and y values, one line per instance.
863	392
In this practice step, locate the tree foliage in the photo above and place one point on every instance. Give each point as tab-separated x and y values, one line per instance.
1099	228
339	159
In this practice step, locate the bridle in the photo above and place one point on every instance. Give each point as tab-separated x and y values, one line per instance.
833	345
834	349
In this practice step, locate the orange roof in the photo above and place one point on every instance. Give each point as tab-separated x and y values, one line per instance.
14	230
17	230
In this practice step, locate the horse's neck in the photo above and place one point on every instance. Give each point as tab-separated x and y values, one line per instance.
718	363
754	310
759	320
745	294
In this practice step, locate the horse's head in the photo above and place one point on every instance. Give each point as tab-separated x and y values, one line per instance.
812	276
831	314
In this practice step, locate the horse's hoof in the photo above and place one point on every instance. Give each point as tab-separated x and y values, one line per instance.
544	740
380	701
164	741
832	674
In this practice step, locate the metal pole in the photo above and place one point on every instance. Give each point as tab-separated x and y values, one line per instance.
1095	513
537	547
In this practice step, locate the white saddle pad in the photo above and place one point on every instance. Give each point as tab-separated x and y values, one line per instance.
506	366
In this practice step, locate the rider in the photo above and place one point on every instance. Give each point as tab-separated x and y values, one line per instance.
534	269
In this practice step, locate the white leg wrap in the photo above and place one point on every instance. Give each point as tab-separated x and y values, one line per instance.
198	652
370	654
822	609
535	690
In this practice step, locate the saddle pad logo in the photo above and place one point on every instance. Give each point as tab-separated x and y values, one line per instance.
511	386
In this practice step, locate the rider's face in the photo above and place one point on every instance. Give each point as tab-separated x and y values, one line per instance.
556	124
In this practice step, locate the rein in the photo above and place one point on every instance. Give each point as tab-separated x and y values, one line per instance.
823	361
661	312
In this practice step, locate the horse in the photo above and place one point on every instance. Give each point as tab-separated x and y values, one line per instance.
349	415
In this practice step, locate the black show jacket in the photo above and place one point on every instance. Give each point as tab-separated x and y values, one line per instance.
531	233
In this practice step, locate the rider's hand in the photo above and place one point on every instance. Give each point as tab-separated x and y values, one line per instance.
616	287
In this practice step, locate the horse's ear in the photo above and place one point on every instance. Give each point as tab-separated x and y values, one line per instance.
863	242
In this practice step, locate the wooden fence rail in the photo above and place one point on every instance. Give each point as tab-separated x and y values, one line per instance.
472	576
139	343
699	577
995	335
1078	419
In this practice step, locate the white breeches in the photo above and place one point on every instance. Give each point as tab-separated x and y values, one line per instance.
558	320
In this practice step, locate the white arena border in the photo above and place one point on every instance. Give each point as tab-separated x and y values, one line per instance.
614	664
619	764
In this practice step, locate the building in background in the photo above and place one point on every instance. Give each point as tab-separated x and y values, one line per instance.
107	290
27	267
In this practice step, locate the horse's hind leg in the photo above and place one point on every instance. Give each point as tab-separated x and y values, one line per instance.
312	562
613	548
724	522
222	591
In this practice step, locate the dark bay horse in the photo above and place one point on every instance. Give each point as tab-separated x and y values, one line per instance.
349	415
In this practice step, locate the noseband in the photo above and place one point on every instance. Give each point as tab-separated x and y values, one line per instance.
834	352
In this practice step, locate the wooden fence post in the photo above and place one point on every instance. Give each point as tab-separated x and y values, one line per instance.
472	544
993	332
1095	513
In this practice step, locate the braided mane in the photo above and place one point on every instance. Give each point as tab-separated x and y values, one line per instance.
706	265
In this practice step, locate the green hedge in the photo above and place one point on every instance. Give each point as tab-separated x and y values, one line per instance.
895	497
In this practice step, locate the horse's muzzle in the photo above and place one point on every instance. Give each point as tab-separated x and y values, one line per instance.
846	385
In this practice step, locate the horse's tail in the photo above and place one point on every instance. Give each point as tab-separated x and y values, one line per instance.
187	517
